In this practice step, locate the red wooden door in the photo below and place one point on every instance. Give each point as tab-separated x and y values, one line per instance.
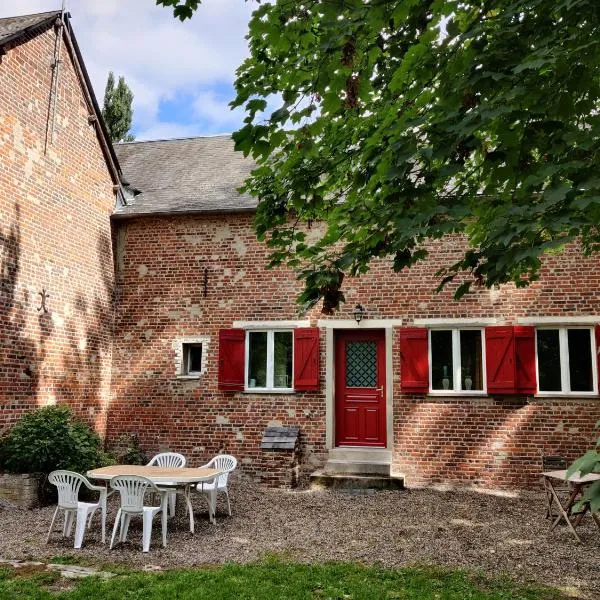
360	417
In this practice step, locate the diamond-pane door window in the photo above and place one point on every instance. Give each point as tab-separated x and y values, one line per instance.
361	364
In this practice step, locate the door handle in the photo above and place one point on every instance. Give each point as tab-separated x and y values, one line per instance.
380	390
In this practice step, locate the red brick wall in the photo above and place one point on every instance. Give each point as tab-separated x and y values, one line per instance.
490	441
55	234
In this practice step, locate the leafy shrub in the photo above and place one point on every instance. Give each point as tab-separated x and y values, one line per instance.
127	450
51	438
589	463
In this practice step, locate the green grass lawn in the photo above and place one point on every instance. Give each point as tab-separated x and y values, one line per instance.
272	580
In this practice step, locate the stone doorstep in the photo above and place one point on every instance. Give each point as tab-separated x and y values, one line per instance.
354	481
359	461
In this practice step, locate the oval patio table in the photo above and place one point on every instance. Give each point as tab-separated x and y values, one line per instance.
179	477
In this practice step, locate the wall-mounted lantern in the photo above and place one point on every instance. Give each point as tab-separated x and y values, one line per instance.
359	313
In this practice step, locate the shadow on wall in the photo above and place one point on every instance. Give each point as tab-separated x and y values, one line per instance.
20	358
494	443
50	364
86	354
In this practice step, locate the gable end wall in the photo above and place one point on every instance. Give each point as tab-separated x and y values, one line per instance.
55	235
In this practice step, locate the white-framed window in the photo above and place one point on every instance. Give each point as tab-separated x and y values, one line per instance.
269	359
457	361
565	360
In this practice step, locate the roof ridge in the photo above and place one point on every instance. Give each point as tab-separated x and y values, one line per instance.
38	14
177	139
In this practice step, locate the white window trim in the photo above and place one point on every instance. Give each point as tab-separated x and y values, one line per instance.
458	322
275	325
584	320
178	348
270	361
565	375
456	366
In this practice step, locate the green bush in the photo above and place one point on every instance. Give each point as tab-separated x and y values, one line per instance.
51	438
128	451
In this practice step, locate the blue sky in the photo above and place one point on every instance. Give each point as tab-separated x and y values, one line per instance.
181	74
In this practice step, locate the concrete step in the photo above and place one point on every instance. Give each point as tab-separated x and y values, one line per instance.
357	467
341	481
361	454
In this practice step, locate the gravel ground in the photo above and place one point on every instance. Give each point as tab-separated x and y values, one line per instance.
496	535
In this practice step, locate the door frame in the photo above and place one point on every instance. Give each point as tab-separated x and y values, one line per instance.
331	325
360	399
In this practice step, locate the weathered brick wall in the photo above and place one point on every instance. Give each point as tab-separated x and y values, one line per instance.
55	205
491	441
20	489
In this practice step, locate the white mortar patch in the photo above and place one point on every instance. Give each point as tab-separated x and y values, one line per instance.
240	247
222	233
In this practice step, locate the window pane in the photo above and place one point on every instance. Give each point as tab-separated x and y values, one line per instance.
361	364
471	363
441	360
257	359
194	359
548	352
580	360
282	368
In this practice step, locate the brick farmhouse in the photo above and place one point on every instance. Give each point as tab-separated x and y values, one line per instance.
134	289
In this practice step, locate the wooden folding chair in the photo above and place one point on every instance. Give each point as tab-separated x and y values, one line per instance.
554	463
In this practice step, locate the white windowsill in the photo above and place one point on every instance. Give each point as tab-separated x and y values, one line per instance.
566	395
444	393
269	391
193	376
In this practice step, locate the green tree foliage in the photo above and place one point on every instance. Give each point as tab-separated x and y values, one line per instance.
589	463
405	120
117	112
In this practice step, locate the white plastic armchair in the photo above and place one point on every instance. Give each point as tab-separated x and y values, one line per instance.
225	463
132	490
169	460
68	483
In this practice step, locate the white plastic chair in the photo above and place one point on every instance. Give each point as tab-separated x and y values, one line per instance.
169	460
132	490
68	483
226	464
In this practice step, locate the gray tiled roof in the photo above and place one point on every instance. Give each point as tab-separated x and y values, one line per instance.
11	27
189	175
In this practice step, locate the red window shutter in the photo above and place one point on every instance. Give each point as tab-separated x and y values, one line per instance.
414	362
500	360
525	359
232	349
597	332
306	359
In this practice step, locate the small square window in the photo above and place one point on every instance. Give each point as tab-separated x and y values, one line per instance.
192	359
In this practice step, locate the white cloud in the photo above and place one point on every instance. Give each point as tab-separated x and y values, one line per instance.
165	130
209	106
160	57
